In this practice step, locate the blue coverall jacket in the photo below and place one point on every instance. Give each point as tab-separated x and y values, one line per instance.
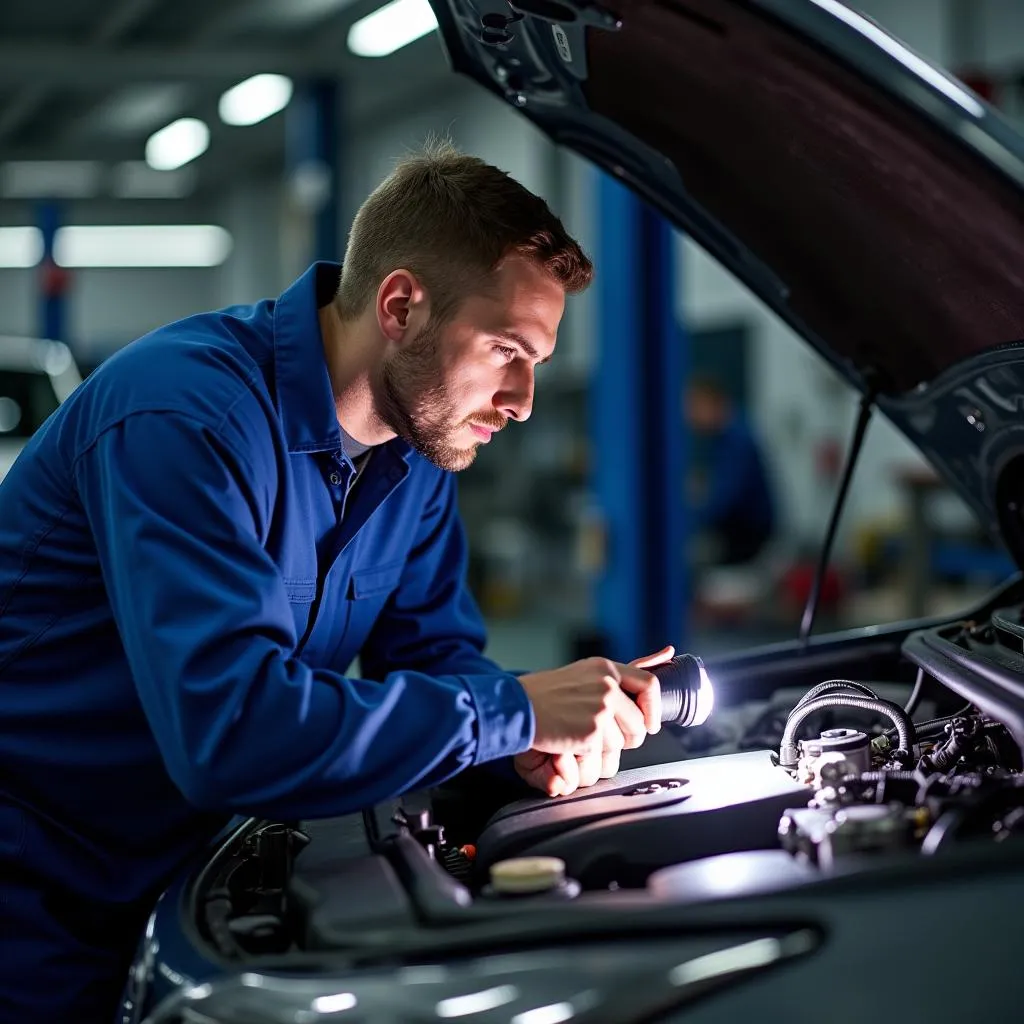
185	580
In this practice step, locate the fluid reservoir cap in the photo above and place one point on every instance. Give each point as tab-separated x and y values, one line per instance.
527	874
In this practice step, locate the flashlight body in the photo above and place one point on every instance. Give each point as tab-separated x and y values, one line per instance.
686	694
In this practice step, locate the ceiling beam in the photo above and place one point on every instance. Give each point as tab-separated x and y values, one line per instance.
71	65
121	18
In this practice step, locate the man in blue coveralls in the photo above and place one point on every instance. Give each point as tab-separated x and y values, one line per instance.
195	547
736	511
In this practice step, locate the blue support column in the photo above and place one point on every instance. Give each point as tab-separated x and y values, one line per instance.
314	164
639	458
53	280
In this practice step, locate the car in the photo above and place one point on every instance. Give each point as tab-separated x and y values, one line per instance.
852	851
36	375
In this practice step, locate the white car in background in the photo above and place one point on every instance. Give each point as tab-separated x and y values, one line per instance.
36	375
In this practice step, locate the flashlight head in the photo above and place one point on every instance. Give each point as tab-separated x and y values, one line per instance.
687	697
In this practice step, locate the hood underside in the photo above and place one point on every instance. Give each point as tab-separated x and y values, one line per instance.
872	201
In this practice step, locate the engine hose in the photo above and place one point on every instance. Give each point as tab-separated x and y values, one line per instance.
964	736
890	785
788	752
909	775
835	684
945	757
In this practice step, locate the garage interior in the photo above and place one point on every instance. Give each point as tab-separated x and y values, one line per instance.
87	86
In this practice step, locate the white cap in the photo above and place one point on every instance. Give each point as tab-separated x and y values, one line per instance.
527	874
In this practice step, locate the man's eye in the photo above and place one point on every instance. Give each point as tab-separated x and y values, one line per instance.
507	351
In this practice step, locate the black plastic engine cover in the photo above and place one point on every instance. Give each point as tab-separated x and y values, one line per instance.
624	828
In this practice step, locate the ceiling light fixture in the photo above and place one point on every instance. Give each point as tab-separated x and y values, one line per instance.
391	27
176	144
20	248
142	245
255	99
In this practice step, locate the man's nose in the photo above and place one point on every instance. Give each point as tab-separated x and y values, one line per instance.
515	400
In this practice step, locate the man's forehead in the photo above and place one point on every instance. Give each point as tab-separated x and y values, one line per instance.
526	315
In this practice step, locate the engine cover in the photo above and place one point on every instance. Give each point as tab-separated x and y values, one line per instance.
624	828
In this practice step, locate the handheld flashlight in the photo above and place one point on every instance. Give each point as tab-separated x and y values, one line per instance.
687	697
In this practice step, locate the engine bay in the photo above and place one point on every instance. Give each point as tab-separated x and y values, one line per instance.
853	774
771	796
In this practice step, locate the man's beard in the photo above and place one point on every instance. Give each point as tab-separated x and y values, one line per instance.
414	400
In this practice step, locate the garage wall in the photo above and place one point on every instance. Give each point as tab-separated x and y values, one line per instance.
19	302
254	213
925	25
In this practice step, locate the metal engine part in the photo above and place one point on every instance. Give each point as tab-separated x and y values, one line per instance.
833	755
822	835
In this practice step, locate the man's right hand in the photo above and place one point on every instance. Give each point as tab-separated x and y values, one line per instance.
577	707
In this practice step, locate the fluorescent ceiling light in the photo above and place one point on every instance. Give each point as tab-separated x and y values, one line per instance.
142	245
20	247
181	141
391	27
255	99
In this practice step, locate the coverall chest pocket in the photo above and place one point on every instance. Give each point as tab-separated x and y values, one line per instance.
369	590
301	594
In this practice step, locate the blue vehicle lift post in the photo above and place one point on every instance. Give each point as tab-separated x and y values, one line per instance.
313	154
638	433
53	280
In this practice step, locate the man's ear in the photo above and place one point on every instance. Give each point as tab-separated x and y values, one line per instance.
402	306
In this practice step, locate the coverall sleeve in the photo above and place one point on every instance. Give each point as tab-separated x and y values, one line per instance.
180	511
431	623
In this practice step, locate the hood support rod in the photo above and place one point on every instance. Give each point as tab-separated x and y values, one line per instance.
867	405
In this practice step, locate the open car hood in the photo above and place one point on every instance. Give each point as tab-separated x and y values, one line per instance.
872	201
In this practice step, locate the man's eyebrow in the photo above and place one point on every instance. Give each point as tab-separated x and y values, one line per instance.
525	345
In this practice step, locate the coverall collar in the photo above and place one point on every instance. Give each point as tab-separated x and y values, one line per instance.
305	400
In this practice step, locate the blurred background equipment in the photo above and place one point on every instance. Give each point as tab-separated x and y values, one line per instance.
35	377
674	483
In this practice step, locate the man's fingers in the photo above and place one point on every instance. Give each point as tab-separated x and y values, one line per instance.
650	701
609	764
567	774
664	655
589	766
630	722
647	689
635	680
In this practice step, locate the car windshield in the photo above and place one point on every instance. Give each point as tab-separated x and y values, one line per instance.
26	400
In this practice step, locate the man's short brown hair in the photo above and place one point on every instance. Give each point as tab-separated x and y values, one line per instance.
451	219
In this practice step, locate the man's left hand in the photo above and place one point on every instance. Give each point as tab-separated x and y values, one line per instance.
562	774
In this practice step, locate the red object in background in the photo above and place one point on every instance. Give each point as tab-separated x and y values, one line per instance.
797	581
54	281
828	459
981	83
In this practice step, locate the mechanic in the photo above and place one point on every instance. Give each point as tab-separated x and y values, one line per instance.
736	512
198	543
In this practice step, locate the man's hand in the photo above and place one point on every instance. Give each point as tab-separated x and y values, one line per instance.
585	718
